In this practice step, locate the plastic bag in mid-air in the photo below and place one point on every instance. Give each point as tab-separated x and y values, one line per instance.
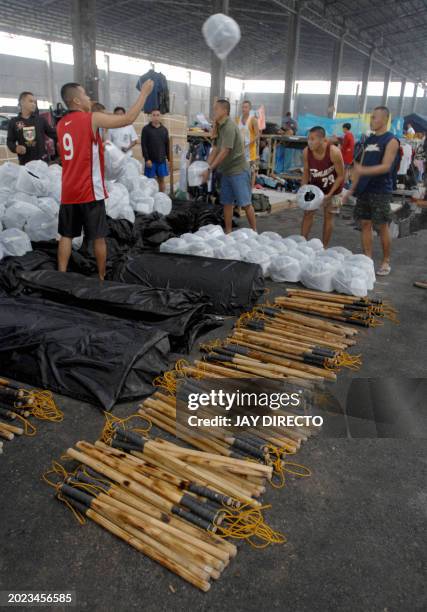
221	34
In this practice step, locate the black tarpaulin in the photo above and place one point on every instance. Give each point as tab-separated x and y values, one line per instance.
182	314
85	355
231	286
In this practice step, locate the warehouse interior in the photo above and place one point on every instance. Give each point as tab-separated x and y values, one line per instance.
95	369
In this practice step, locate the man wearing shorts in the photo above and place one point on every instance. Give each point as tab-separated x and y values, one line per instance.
373	185
83	190
155	149
323	167
228	157
248	126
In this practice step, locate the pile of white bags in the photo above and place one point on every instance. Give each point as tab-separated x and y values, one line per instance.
114	160
292	259
29	203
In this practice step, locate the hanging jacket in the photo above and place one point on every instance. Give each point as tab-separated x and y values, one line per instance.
159	97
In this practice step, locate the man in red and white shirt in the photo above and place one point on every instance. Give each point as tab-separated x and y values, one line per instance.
82	155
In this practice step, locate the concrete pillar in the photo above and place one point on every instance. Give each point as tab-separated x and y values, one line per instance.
50	75
188	97
83	30
387	79
414	98
294	27
335	77
365	80
107	84
401	102
218	67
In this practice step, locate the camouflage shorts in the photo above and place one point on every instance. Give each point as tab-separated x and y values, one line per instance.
373	207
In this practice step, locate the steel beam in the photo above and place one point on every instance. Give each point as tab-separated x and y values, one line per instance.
218	67
83	28
335	77
294	28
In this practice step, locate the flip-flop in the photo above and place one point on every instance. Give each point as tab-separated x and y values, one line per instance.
384	270
421	284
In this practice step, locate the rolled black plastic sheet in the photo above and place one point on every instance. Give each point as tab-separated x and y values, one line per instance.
180	313
85	355
231	286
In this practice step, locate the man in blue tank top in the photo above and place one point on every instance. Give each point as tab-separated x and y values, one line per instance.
373	180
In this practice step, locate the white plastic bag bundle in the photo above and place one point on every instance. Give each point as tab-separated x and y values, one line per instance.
144	205
162	203
260	258
191	238
18	214
77	242
129	176
331	254
114	160
5	195
281	248
55	179
131	162
214	243
285	269
2	209
1	247
117	201
152	185
289	242
303	248
15	242
246	231
362	261
342	250
265	240
37	167
9	175
21	196
174	245
31	183
49	206
226	251
296	238
309	197
199	248
351	280
274	236
195	171
318	275
221	34
315	244
41	227
242	248
215	231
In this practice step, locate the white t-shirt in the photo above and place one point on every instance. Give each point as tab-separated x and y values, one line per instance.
405	162
122	137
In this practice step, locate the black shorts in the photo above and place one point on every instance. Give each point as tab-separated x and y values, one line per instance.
91	217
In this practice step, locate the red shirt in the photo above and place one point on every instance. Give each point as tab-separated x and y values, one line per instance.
322	171
82	156
347	148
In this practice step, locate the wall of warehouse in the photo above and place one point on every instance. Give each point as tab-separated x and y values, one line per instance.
19	73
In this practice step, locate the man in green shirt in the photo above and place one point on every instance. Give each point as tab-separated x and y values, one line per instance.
228	157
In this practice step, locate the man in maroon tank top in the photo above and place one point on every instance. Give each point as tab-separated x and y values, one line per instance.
323	167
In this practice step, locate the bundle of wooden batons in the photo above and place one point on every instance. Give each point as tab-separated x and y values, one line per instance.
18	405
169	502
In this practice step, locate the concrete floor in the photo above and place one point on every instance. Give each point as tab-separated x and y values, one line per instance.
356	528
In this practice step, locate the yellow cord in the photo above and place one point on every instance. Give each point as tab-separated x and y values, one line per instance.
248	523
111	421
281	467
42	405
